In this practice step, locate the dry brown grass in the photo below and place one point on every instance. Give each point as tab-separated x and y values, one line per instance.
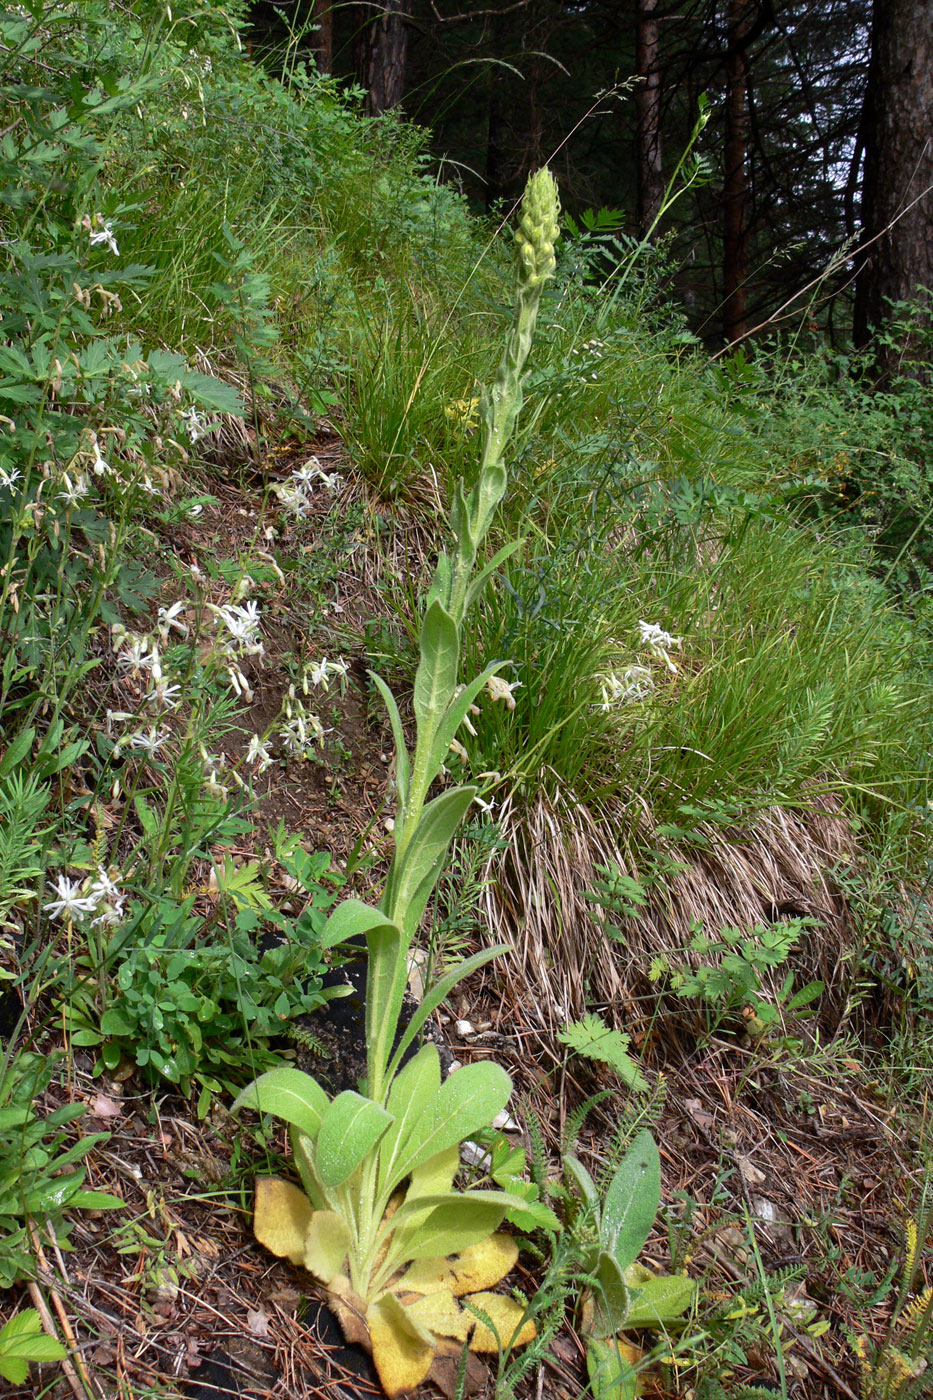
781	861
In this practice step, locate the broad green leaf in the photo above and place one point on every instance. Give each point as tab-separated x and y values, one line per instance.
303	1154
413	1089
291	1095
436	676
610	1296
467	1101
13	757
486	572
632	1201
440	584
385	987
113	1022
352	919
439	993
455	714
433	1226
402	763
611	1374
96	1200
350	1129
423	861
436	1175
656	1300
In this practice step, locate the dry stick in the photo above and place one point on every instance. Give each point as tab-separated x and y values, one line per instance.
81	1390
821	276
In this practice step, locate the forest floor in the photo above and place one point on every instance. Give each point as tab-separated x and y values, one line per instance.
774	1161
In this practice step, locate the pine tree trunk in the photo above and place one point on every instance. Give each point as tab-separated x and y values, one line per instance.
735	176
322	39
650	173
381	51
897	199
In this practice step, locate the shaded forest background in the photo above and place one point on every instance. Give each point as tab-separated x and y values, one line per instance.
818	135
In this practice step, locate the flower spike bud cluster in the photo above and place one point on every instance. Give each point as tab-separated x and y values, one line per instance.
538	231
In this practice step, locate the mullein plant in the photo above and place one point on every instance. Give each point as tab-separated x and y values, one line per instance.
378	1221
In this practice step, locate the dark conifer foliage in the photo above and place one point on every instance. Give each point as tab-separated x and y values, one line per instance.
607	92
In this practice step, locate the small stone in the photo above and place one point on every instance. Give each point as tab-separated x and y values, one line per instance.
464	1028
472	1155
505	1123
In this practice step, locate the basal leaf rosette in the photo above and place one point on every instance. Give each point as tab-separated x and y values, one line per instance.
414	1318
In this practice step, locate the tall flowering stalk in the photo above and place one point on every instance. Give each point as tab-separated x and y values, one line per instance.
379	1222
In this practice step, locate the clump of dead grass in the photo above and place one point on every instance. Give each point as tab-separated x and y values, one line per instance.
780	860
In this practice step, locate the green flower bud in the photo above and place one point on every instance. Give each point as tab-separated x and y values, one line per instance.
538	229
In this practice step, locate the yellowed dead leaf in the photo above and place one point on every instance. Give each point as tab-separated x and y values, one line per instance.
402	1349
506	1316
326	1244
441	1314
478	1266
350	1310
281	1218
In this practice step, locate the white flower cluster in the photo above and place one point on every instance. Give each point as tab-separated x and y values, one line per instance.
319	673
238	636
300	730
295	493
659	643
99	230
77	898
634	683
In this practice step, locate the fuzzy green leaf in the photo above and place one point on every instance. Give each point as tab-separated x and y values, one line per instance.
436	677
610	1296
439	993
611	1376
655	1300
431	1227
291	1095
349	1130
402	762
632	1201
422	863
413	1089
467	1101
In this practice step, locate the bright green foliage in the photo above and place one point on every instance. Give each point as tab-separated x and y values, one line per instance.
355	1153
590	1036
623	1294
198	1006
22	1340
41	1177
734	964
